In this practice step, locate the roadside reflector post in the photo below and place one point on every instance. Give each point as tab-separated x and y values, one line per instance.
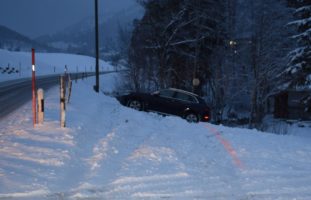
34	111
62	102
40	94
69	88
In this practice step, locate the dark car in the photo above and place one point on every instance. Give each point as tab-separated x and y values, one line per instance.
169	102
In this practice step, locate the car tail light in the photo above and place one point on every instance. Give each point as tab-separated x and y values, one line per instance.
206	117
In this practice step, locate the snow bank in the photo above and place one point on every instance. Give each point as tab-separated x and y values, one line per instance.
108	151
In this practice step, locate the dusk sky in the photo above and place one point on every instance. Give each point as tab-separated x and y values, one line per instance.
37	17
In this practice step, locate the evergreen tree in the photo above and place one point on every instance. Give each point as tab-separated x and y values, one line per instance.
269	47
300	58
254	54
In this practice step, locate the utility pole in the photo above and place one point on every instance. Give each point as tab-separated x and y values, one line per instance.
96	86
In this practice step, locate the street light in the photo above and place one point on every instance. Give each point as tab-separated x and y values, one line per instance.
96	86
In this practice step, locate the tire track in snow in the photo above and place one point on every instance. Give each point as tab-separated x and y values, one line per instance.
160	171
30	156
100	152
262	184
109	155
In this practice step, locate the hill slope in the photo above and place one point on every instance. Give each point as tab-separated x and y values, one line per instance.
14	41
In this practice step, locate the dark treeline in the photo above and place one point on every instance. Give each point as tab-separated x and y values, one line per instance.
241	51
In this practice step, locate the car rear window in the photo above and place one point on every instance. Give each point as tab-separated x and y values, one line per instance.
202	101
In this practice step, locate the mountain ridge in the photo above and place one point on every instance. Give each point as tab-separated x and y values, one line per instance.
79	38
14	41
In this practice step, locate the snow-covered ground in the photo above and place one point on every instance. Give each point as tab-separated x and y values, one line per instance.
287	127
108	151
19	64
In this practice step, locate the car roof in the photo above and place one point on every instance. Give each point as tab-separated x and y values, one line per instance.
183	91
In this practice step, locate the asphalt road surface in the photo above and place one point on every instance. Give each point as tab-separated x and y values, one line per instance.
15	93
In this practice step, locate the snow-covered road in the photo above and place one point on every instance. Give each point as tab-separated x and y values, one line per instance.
111	152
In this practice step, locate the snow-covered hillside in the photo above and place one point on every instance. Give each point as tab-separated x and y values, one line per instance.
46	63
112	152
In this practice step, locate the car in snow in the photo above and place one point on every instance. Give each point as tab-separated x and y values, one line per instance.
169	102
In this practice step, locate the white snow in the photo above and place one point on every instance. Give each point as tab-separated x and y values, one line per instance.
45	64
301	22
108	151
303	9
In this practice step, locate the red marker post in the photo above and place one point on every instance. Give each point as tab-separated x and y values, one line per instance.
34	110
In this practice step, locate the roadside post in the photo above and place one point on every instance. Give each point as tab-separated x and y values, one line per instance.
40	106
96	86
69	88
34	111
62	102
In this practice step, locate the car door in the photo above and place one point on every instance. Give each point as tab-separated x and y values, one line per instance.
162	101
182	102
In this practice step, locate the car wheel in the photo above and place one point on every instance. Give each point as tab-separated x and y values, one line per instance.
135	104
192	118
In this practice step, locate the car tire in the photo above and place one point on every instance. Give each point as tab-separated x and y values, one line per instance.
192	117
135	104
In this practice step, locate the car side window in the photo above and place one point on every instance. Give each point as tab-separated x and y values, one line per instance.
192	99
185	97
166	93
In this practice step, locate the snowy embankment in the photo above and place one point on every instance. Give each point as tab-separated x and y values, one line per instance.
112	152
15	65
